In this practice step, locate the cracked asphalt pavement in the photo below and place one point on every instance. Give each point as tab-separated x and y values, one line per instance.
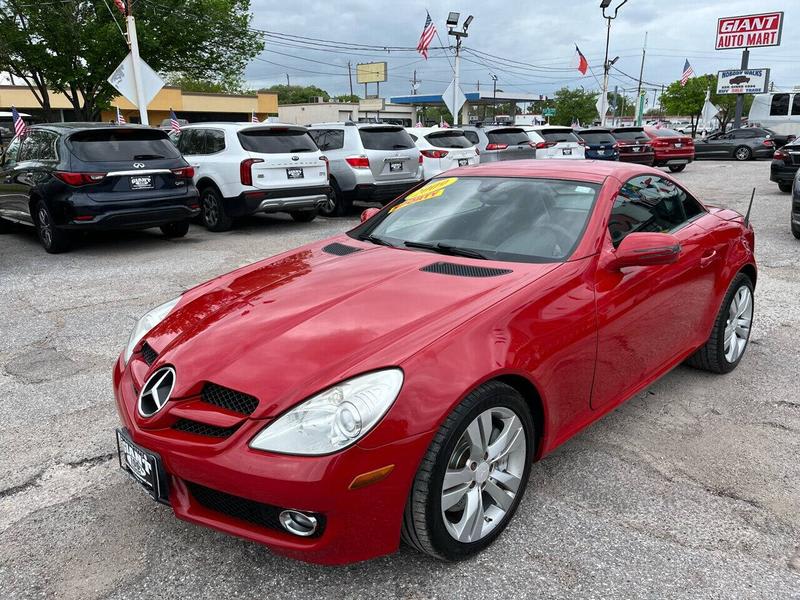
690	490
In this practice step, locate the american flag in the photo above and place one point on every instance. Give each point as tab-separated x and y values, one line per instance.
19	125
121	6
428	31
120	119
687	72
254	118
174	124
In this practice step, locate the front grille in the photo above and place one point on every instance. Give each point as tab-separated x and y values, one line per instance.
340	249
229	399
203	429
445	268
148	354
243	509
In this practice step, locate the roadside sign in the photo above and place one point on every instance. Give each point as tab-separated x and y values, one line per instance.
549	112
454	104
122	79
749	31
371	104
371	72
743	81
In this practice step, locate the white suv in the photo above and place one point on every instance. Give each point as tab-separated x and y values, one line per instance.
443	149
551	141
242	169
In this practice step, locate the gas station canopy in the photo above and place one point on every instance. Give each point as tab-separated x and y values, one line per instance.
473	98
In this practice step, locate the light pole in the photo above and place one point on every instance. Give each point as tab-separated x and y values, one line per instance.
494	96
452	23
604	4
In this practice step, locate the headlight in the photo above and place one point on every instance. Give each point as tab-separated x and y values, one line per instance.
146	323
333	419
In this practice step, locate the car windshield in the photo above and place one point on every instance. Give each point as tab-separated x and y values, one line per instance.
385	138
597	137
631	135
118	144
276	140
508	219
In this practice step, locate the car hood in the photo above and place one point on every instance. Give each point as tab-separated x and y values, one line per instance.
287	327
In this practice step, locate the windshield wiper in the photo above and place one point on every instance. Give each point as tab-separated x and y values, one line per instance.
443	248
376	240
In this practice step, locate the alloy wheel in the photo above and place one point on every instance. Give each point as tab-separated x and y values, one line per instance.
328	208
743	154
210	210
737	327
45	227
483	474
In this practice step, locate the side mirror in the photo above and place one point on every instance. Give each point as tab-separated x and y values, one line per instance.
645	249
369	213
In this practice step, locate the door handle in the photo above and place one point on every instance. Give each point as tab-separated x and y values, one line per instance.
708	258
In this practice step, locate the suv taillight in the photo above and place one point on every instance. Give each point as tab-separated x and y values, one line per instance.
246	171
184	172
660	143
768	143
541	145
358	162
77	179
434	153
780	155
327	166
493	146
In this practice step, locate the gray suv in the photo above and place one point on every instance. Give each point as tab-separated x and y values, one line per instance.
500	142
369	162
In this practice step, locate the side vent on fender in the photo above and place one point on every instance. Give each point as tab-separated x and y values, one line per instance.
340	249
457	270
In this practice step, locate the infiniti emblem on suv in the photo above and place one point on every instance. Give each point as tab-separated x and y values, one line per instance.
156	391
295	158
138	165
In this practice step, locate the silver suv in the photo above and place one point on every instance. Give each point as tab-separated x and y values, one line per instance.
369	162
500	142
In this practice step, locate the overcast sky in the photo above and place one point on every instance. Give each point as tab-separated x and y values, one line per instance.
539	32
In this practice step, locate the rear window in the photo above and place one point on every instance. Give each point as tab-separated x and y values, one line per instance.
385	138
597	137
276	141
512	137
633	135
558	135
448	139
115	145
664	132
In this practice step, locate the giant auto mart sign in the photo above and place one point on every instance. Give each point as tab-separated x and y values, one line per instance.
749	31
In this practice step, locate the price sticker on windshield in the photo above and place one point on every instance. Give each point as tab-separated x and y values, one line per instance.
433	189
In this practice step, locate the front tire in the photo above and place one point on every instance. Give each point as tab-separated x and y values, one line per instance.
175	230
213	213
742	153
785	187
53	239
731	333
676	168
473	476
304	216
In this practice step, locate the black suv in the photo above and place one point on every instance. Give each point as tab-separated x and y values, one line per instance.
66	177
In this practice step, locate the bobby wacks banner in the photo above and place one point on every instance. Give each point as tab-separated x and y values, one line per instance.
743	81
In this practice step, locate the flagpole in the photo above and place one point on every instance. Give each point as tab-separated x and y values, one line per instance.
133	42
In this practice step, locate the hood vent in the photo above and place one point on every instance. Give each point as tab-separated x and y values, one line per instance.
340	249
457	270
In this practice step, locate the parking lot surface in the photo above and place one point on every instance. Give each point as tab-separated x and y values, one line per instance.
690	490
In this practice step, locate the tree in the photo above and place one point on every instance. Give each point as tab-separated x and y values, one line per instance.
73	46
687	99
228	85
296	94
625	106
574	105
727	104
348	98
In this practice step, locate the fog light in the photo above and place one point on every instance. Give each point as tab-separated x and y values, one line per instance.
298	523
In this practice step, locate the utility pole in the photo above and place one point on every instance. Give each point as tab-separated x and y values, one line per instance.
350	75
414	83
452	23
133	44
604	4
494	96
639	97
287	80
737	120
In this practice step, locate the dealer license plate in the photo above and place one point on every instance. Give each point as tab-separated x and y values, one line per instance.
142	182
566	151
637	148
463	162
142	465
395	166
294	173
678	145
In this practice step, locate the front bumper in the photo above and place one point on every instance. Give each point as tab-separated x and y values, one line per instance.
359	524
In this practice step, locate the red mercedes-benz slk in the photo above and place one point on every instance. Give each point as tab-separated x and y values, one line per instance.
399	380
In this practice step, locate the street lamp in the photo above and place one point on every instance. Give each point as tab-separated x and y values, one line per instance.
494	95
452	24
604	4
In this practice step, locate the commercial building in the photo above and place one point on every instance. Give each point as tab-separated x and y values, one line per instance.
325	112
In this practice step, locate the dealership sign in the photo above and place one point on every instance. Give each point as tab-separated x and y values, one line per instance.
743	81
749	31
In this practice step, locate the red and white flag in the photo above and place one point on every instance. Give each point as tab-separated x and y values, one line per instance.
19	125
254	118
121	6
583	64
120	119
428	31
174	124
687	72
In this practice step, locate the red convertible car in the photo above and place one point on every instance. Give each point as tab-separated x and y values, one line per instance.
399	380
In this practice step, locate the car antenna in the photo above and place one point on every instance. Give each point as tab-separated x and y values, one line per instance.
747	216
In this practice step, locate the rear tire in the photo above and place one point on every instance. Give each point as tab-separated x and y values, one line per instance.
175	230
785	187
213	213
796	231
714	355
742	153
336	205
6	226
676	168
482	493
304	216
53	239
